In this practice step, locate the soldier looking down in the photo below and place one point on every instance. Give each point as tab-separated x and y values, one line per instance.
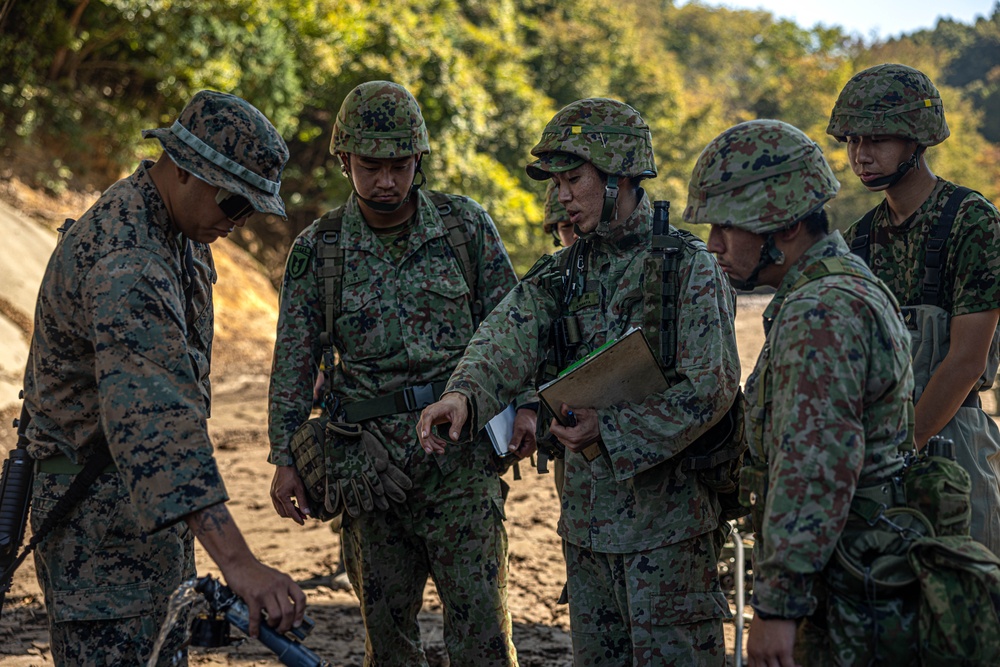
640	532
937	246
388	289
118	372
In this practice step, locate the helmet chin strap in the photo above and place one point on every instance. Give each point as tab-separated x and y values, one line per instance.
382	207
901	170
607	211
769	254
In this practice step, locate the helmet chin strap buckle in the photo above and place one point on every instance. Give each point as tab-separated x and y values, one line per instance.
610	201
901	170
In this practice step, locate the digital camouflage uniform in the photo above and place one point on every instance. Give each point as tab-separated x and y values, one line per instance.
970	276
120	358
828	402
640	534
406	319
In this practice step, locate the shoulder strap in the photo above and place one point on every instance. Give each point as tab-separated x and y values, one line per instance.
330	254
666	250
937	241
459	239
861	245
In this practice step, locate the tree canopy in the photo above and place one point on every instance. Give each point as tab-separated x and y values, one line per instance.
80	78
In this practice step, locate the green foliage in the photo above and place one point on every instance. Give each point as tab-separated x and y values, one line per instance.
80	78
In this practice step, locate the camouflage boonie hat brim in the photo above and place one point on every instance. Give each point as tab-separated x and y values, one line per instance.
552	163
609	134
892	100
762	176
380	120
227	142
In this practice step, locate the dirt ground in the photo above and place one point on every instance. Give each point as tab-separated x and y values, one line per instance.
238	428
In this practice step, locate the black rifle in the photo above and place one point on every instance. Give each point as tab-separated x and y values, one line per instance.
15	498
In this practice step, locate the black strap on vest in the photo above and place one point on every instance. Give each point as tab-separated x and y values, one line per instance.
667	249
937	242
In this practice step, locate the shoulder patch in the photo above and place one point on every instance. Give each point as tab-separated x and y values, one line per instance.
298	260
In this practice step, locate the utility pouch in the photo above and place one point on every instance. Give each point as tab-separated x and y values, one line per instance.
959	612
308	447
753	492
717	458
939	488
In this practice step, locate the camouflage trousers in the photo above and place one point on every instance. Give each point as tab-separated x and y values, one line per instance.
658	607
451	529
106	582
855	628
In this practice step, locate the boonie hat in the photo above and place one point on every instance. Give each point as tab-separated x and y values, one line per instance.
227	142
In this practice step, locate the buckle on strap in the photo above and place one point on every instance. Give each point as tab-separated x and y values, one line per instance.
418	398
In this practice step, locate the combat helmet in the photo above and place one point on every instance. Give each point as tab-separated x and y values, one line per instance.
893	100
761	176
226	142
607	133
381	120
555	213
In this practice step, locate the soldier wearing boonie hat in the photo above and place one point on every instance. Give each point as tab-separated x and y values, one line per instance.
828	402
118	380
640	534
937	247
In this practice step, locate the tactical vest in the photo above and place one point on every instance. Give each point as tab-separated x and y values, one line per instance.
330	270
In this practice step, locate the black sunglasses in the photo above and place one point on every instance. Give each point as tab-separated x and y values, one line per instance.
233	205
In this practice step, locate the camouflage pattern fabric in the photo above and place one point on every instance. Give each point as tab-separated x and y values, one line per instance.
225	141
555	212
609	134
451	526
120	355
970	279
667	619
893	100
761	176
633	499
380	119
828	413
403	322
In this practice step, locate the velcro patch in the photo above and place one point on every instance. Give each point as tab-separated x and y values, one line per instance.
298	260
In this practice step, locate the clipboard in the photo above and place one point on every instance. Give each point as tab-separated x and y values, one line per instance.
622	371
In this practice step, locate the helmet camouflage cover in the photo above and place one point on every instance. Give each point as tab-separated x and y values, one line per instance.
761	176
609	134
555	212
893	100
380	119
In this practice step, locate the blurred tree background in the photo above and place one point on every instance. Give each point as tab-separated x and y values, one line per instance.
80	78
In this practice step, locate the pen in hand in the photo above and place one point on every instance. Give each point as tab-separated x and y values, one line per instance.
570	419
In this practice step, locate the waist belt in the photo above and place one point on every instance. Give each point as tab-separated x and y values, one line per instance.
409	399
871	501
972	400
61	465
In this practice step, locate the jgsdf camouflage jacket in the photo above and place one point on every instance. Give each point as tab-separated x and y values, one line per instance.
633	497
402	323
827	411
119	352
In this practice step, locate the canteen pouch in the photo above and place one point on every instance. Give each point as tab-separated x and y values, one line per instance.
939	488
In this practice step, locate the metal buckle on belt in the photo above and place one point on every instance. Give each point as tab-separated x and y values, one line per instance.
418	398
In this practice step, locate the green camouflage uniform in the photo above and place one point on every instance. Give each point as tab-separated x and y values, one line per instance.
406	319
640	556
828	403
970	275
120	359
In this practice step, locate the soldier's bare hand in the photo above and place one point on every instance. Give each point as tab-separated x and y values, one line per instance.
771	643
265	589
522	439
452	408
288	494
577	438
